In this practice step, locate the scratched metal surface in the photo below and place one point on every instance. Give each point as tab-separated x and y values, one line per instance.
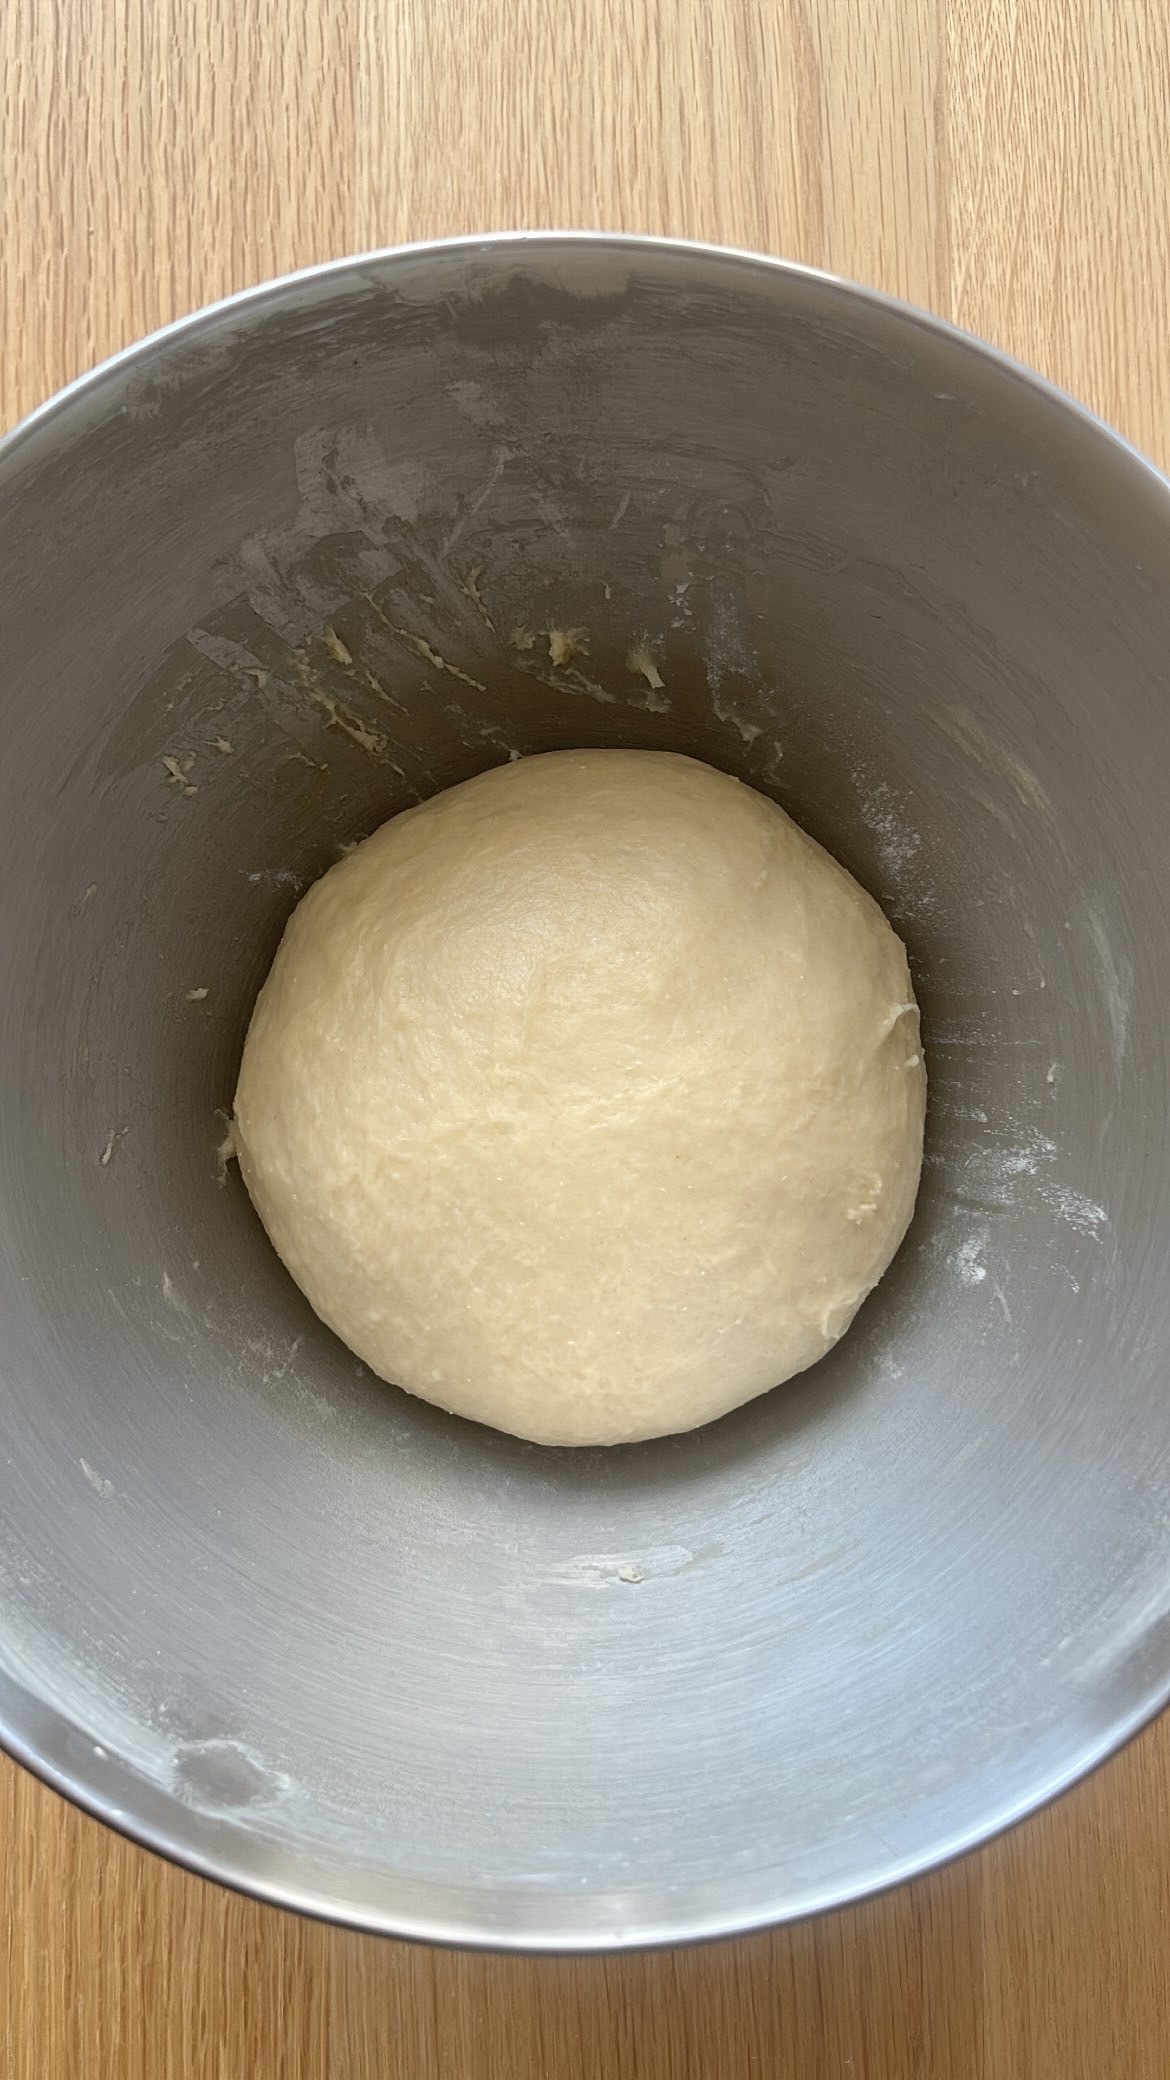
295	565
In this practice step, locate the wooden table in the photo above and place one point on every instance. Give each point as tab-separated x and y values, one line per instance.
991	159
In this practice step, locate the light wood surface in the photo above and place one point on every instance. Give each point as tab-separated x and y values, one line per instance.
1004	162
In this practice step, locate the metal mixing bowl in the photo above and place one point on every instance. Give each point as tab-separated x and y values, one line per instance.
292	565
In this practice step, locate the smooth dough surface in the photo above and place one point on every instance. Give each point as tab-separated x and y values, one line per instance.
586	1099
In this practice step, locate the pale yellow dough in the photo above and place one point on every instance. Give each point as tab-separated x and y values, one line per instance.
586	1100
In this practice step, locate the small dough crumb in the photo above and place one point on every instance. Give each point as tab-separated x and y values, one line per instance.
177	770
196	996
226	1150
640	660
564	644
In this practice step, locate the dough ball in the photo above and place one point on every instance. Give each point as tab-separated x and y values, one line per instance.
586	1100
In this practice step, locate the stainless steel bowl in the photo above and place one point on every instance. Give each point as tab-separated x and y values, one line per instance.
292	565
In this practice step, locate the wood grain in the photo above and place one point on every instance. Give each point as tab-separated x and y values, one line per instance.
1005	162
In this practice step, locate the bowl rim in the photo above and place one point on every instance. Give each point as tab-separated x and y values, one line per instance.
277	1877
